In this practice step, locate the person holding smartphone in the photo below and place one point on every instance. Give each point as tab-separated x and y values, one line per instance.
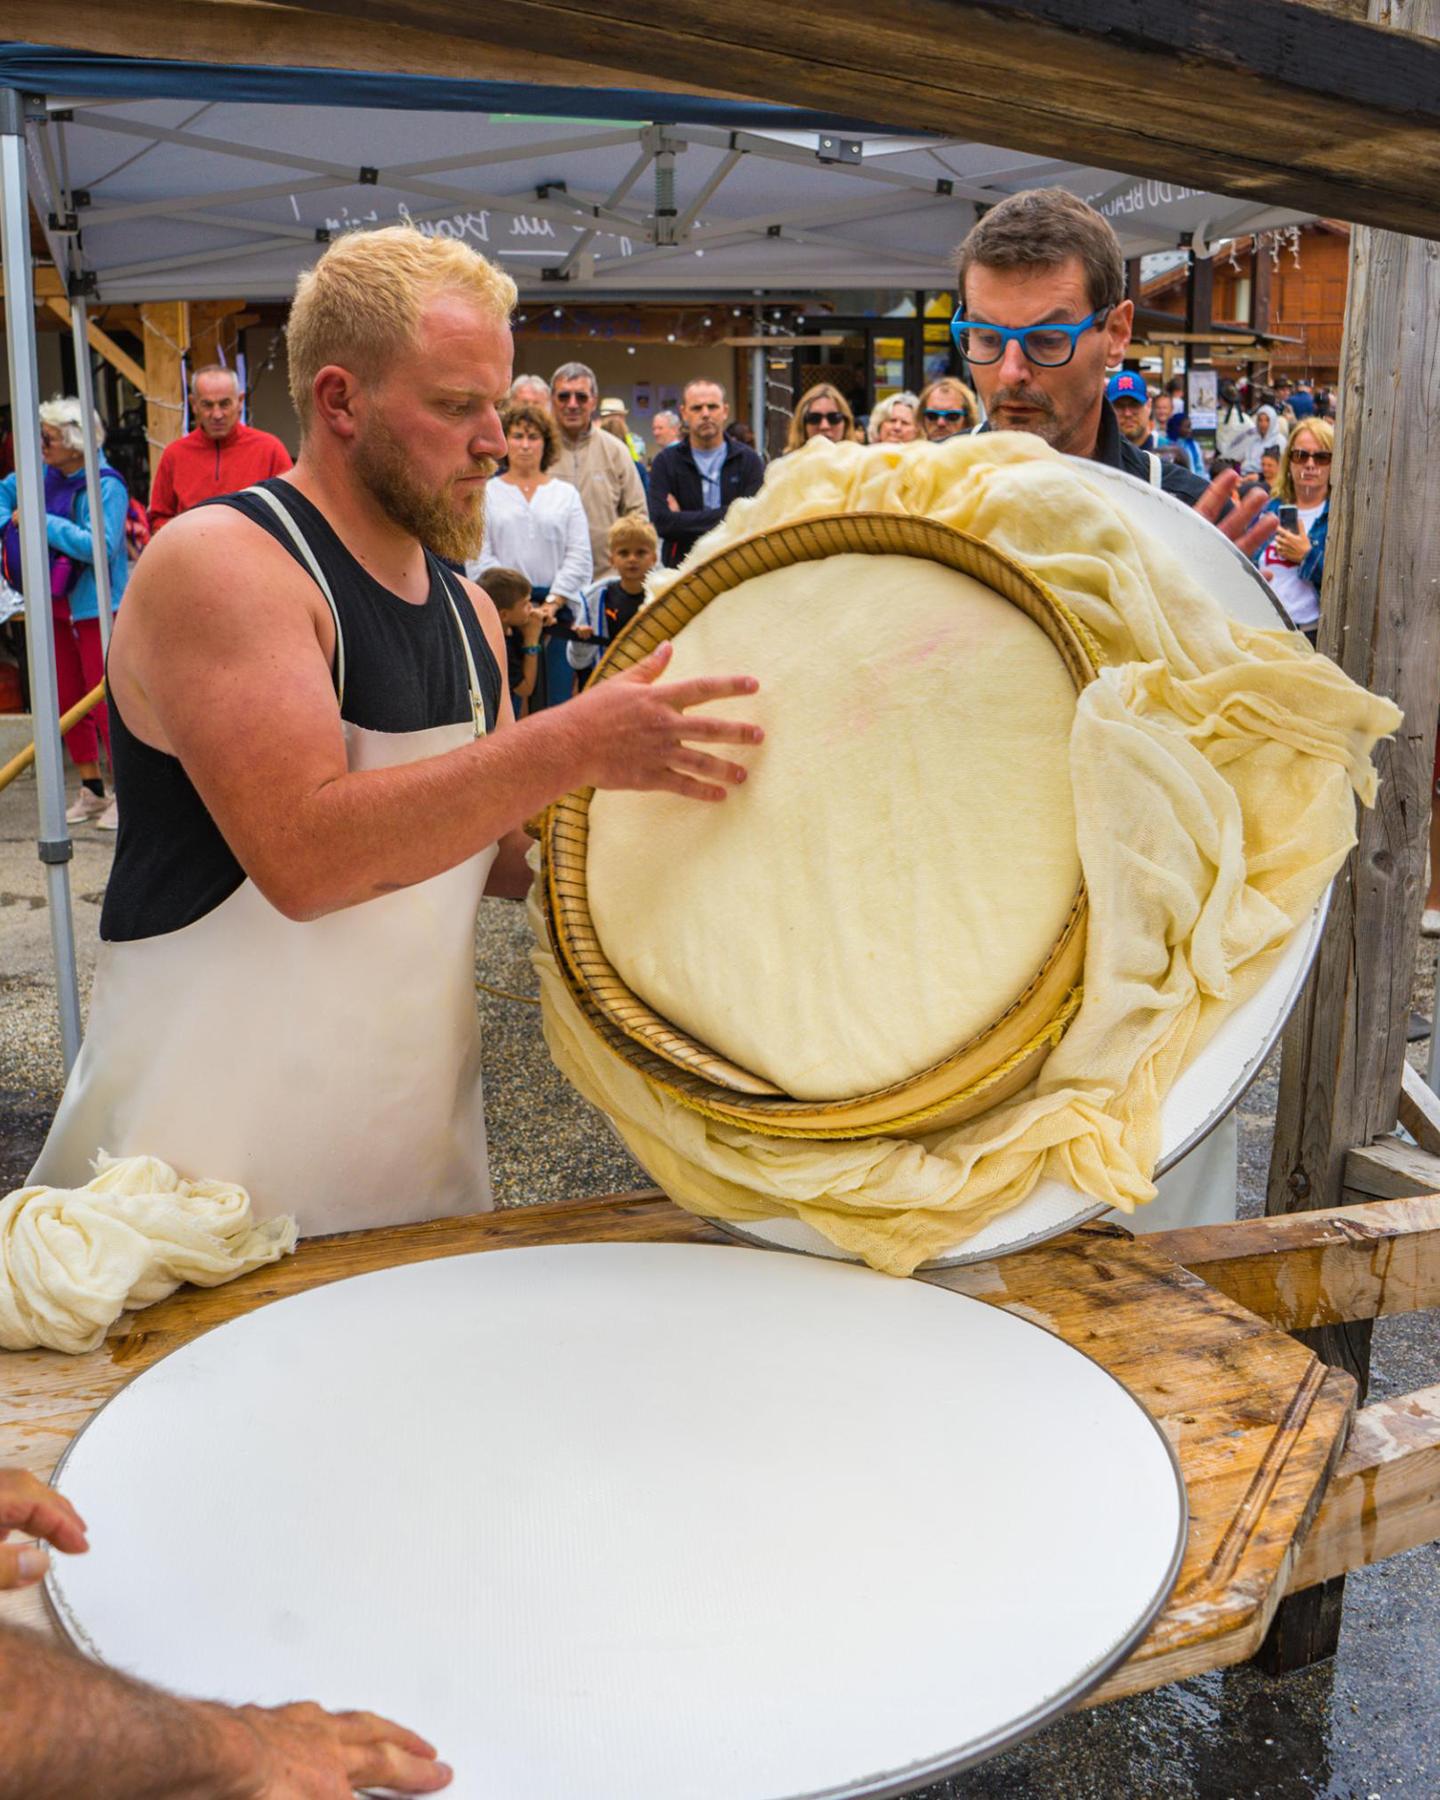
1293	561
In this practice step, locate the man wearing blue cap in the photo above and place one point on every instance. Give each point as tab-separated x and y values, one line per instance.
1130	398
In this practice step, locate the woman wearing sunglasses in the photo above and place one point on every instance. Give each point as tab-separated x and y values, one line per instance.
823	412
1293	562
948	407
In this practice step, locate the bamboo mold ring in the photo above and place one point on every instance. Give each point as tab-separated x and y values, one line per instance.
986	1069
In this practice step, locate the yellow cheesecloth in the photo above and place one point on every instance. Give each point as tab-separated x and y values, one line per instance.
73	1259
1214	770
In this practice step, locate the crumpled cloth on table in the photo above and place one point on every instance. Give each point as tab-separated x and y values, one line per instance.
1215	770
73	1259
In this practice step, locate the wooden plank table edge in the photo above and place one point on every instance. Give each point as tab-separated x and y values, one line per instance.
1300	1270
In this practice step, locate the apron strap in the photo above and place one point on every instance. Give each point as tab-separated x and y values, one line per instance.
307	555
477	703
1154	468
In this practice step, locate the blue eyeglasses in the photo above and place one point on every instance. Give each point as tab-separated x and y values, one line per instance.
1046	346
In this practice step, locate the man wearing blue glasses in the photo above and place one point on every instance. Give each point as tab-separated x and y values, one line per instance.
1042	318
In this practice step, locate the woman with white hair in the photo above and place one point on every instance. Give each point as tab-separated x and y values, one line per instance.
74	597
894	420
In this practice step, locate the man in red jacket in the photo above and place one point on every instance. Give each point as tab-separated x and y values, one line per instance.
220	456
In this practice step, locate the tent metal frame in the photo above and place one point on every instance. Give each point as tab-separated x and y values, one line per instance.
54	845
665	238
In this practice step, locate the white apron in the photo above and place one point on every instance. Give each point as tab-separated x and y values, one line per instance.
331	1067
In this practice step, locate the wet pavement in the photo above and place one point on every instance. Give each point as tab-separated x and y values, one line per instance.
1360	1727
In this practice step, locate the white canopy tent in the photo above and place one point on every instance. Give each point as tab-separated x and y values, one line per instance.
164	199
178	181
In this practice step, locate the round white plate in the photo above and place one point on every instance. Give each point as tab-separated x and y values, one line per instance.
632	1522
1219	1076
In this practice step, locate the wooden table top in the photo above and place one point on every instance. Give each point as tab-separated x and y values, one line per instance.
1255	1420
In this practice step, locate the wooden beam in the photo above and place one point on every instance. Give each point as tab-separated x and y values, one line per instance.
784	344
1380	620
279	36
103	343
214	334
1384	1495
1307	1269
1390	1169
1419	1109
48	285
166	325
1351	110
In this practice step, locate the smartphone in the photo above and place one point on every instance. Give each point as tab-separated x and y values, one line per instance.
1289	518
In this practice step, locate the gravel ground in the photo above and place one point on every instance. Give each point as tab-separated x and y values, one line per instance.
1356	1728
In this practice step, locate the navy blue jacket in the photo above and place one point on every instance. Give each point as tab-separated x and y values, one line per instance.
675	471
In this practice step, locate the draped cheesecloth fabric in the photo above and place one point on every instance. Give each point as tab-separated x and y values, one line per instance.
1214	771
73	1259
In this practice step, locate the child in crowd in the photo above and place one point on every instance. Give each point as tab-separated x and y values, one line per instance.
613	602
523	623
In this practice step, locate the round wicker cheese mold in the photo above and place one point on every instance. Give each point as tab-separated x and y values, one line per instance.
990	1064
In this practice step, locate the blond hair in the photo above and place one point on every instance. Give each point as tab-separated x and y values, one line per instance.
633	530
361	303
1323	433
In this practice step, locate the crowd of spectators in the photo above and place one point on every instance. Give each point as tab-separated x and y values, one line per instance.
583	508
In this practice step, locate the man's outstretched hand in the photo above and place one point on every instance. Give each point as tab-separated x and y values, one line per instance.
306	1753
1243	524
138	1741
639	733
28	1506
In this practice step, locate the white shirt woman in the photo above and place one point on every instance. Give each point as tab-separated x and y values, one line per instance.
534	522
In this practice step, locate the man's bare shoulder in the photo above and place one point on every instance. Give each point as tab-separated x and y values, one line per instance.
214	585
212	556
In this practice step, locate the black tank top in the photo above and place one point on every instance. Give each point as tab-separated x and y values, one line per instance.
405	670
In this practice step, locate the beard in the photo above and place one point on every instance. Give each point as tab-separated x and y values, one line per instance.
448	520
1047	425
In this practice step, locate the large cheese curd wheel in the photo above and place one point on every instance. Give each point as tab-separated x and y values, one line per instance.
901	862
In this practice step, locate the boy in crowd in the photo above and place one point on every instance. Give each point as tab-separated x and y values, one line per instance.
523	622
612	603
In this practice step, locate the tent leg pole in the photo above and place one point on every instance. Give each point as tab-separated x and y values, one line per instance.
85	393
757	398
54	845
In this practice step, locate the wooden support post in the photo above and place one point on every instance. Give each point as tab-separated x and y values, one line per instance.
1262	273
1200	296
166	325
1380	620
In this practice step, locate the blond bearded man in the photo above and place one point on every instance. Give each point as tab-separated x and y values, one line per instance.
319	775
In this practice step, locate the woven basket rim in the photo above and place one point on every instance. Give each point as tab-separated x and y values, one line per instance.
692	1073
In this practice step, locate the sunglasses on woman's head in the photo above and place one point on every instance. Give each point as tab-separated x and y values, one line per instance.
1315	456
949	414
823	418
